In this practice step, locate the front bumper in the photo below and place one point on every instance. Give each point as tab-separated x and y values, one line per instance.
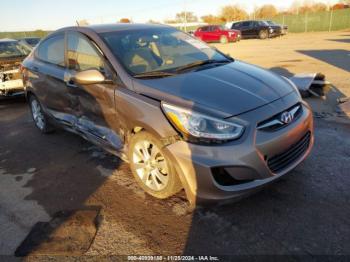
220	173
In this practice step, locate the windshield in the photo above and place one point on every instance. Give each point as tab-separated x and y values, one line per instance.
270	22
158	49
13	49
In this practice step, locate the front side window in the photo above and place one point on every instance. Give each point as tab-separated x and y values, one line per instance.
52	50
263	23
81	53
157	49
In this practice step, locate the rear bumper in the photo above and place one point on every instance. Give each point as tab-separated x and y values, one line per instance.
234	170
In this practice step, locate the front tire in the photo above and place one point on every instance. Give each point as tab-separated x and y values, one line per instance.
263	34
39	117
223	40
151	168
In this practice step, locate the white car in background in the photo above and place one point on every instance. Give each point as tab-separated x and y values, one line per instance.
12	53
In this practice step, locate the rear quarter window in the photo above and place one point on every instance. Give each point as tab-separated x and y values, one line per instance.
51	50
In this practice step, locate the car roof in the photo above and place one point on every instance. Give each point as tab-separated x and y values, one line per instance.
104	28
7	40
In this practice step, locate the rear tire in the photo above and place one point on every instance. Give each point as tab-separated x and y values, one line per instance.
151	168
39	117
223	39
263	34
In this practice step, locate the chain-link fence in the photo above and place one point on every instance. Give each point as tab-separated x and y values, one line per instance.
16	35
311	22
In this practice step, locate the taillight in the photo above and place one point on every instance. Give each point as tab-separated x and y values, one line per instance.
23	72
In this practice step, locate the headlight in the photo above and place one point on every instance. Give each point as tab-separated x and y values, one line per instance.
197	127
271	30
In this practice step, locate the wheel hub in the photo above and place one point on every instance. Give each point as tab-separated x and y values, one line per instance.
150	165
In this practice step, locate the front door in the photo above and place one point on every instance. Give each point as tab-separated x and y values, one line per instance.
93	103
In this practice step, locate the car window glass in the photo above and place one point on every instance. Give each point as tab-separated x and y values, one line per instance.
205	29
81	54
246	23
52	50
13	49
236	25
157	49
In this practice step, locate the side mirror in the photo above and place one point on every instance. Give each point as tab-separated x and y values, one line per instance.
89	77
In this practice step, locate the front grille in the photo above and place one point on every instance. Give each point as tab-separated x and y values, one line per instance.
274	123
288	157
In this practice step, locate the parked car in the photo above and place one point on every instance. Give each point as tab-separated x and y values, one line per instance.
182	113
283	28
217	33
256	29
12	53
31	41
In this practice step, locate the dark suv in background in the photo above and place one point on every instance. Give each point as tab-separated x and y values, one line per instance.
256	29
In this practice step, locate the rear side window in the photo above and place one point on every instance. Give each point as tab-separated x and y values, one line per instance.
81	53
246	23
52	50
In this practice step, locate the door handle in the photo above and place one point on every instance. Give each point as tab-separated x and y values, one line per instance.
35	69
68	79
71	84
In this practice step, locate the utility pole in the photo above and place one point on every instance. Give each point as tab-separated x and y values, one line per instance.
331	18
185	16
305	22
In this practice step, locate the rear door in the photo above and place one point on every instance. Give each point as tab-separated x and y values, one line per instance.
93	103
47	78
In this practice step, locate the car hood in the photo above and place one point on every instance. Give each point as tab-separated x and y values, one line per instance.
275	26
230	89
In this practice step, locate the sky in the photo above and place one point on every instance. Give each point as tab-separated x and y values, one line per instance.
20	15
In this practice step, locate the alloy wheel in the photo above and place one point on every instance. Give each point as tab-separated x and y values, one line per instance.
150	165
38	115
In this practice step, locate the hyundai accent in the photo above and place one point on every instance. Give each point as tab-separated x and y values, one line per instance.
183	114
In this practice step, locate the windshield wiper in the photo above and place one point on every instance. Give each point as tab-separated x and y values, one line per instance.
201	63
154	74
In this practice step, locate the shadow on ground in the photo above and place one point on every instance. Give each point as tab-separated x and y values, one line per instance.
336	57
302	214
347	41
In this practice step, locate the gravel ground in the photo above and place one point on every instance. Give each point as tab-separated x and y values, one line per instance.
306	213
